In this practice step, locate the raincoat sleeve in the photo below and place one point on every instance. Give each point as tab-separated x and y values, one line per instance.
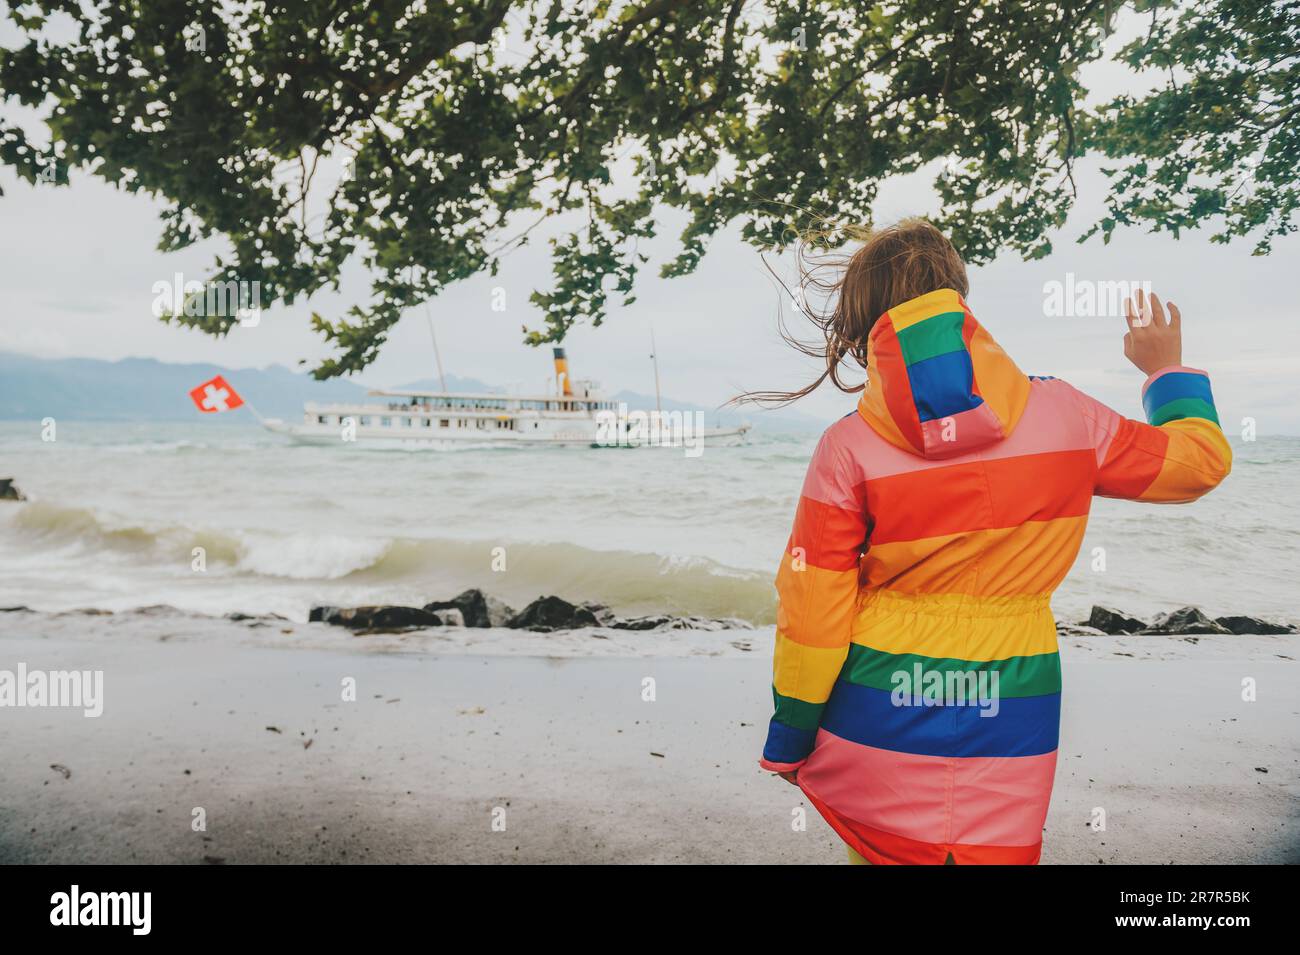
1180	455
817	589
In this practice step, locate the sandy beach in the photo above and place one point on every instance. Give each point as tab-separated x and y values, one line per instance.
550	733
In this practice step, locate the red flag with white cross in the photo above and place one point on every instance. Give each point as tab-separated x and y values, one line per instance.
216	395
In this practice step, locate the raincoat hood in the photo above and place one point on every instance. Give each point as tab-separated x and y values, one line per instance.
938	385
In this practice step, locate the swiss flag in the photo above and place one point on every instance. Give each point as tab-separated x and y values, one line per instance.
216	395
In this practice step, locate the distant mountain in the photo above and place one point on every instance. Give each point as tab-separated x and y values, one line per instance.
146	389
142	388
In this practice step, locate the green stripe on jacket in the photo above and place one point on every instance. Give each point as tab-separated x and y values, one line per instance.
1036	675
1184	408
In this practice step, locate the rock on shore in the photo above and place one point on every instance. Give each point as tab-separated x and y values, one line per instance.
556	613
474	608
1185	620
1253	625
1112	621
386	618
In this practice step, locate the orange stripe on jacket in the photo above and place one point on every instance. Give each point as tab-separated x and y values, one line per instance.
816	606
828	537
1197	459
1033	487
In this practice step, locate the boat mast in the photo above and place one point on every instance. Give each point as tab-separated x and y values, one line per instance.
437	356
654	357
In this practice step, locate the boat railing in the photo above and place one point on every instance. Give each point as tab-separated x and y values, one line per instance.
441	406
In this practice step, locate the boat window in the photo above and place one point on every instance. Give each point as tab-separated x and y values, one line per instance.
442	423
322	419
365	421
427	423
386	422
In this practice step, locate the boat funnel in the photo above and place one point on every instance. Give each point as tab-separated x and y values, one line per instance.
562	371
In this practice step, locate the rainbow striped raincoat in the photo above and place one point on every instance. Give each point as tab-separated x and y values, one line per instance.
916	675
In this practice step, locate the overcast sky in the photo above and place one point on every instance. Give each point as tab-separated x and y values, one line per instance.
78	265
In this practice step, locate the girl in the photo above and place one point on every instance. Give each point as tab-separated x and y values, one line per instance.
916	676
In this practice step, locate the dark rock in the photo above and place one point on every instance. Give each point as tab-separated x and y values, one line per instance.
554	613
18	609
477	609
382	618
1112	621
654	622
1252	626
474	608
666	622
321	614
239	617
392	618
1184	620
8	492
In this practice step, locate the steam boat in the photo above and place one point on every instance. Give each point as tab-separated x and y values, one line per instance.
576	415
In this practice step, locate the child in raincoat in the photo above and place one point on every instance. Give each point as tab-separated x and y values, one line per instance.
916	675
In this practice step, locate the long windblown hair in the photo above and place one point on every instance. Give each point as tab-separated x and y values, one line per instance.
894	264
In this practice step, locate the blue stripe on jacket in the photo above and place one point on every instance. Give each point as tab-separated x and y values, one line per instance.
1173	385
785	744
1023	726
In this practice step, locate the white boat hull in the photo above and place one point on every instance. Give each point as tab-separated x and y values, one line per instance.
412	440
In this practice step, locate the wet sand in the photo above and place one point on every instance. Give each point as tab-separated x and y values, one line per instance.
449	737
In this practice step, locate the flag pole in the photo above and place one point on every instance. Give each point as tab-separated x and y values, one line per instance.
437	355
654	357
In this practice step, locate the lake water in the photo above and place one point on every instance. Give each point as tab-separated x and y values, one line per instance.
116	511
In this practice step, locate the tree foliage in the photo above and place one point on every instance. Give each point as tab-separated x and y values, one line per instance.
1220	139
465	125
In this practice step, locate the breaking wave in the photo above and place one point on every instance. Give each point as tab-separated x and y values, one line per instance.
515	570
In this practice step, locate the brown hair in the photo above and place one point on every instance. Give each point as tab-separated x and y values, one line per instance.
894	264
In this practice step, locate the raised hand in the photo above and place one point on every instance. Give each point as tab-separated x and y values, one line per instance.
1152	342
